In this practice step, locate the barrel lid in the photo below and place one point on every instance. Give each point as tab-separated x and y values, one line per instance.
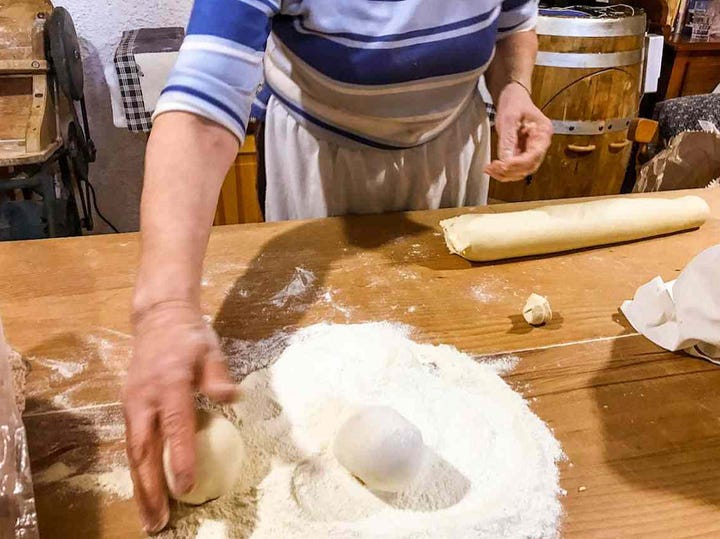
591	21
562	12
616	11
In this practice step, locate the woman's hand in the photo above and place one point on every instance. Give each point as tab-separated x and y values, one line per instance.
524	135
175	354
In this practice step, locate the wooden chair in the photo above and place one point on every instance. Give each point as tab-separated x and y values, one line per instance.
644	132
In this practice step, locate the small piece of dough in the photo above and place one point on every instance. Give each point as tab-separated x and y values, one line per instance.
381	448
537	310
220	453
563	227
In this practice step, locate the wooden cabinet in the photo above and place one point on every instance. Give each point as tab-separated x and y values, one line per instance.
238	202
689	68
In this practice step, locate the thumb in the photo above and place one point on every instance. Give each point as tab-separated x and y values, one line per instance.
215	381
507	140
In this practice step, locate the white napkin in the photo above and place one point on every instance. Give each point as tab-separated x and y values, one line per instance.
116	102
683	314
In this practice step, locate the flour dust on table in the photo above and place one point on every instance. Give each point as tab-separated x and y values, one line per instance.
478	463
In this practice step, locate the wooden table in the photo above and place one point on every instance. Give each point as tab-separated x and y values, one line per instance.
640	426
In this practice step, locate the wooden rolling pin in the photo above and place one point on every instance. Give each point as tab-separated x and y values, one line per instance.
563	227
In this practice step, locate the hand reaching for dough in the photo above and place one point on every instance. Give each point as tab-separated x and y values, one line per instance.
175	354
524	135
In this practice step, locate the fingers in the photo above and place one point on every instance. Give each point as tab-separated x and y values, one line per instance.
171	350
144	450
527	160
524	134
215	381
177	423
508	141
517	167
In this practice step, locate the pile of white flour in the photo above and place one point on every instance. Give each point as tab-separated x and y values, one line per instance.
490	471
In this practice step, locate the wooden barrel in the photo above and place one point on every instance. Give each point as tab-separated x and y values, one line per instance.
587	80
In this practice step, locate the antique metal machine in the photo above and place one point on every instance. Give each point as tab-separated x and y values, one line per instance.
45	144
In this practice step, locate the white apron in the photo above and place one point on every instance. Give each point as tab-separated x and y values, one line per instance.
314	173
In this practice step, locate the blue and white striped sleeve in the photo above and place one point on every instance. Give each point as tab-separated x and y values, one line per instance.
259	106
219	67
517	16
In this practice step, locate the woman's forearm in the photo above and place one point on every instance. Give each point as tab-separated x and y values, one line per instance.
514	60
187	160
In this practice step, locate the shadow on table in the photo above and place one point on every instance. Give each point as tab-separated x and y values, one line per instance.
58	438
75	431
519	325
287	276
659	414
263	299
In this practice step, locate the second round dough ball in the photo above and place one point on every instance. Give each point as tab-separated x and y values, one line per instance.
220	453
381	448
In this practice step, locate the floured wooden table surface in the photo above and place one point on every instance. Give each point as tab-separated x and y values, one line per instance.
640	426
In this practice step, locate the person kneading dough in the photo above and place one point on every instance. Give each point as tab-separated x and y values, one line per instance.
367	110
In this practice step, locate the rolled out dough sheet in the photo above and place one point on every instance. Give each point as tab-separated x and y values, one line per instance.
563	227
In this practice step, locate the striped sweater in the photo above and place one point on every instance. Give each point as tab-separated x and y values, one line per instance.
387	73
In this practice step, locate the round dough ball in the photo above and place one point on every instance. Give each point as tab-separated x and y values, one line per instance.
537	310
380	448
220	453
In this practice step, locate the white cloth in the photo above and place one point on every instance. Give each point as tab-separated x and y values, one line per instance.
683	314
314	173
154	69
116	102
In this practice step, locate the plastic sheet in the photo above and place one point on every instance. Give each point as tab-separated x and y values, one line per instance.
691	160
18	518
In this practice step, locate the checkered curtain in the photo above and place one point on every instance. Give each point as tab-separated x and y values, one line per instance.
138	119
